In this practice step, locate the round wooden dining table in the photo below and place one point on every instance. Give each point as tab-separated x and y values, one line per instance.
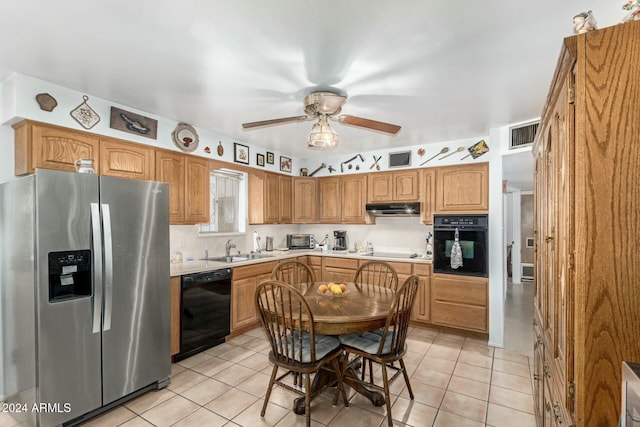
361	308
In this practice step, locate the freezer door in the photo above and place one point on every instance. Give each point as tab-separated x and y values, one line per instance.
136	337
68	349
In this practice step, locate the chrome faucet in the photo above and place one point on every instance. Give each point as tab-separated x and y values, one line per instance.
228	247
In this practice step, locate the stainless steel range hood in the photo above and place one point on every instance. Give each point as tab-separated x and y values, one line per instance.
393	209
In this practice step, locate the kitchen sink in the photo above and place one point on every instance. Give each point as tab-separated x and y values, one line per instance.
239	257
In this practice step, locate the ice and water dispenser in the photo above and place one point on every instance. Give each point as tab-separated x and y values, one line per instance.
69	275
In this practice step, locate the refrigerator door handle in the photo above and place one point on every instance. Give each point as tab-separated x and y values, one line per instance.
96	233
108	266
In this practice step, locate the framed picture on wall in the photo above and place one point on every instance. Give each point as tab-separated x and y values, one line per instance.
285	164
240	153
260	159
270	158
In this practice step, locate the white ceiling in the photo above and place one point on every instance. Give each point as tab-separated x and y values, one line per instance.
442	70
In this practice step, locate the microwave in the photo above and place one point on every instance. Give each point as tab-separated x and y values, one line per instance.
301	241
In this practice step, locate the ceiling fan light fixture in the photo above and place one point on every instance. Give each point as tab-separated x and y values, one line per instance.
322	136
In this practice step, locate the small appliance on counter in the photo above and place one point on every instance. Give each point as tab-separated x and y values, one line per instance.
301	241
268	246
340	240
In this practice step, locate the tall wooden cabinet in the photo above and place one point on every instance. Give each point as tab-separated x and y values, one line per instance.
587	215
305	206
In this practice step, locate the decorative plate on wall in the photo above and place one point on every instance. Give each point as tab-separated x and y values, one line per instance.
185	137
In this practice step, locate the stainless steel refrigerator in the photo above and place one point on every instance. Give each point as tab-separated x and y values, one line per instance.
85	292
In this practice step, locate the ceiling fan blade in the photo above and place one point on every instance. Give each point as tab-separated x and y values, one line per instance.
283	120
369	124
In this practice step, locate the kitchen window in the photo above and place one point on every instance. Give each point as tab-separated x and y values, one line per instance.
227	202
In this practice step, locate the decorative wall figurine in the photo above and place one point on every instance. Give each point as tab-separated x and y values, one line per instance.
322	166
85	114
207	150
633	11
584	22
46	101
185	137
137	124
220	149
477	149
375	163
444	150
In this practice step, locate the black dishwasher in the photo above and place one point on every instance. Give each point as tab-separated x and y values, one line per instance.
205	309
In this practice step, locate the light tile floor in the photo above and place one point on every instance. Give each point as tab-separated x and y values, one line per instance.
456	381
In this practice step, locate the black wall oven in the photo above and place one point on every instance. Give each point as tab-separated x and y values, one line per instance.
470	252
205	311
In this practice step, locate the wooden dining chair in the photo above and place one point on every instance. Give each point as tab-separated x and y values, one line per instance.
293	272
390	346
375	273
288	323
378	273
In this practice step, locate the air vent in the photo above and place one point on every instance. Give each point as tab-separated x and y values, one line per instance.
523	135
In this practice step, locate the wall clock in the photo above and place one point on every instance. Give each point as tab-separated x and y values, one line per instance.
185	137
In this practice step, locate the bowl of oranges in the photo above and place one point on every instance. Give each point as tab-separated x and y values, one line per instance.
333	289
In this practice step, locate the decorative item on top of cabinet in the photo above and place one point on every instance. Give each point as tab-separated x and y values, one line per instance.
185	137
633	11
85	115
220	149
318	169
477	149
137	124
444	150
457	150
462	188
46	102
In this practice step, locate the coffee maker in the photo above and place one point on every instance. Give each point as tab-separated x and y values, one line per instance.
340	240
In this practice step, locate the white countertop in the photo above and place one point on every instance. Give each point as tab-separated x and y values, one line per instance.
198	266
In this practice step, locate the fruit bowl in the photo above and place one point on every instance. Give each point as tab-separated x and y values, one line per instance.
333	290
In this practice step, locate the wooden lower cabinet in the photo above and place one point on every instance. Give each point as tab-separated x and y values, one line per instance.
460	302
315	262
335	269
422	305
244	315
176	298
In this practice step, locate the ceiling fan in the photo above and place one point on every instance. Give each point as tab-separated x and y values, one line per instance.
323	106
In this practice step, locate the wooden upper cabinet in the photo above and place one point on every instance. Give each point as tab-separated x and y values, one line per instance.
343	199
428	195
406	185
354	199
305	206
170	169
379	187
462	188
400	186
330	198
40	145
285	203
126	160
270	198
197	191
